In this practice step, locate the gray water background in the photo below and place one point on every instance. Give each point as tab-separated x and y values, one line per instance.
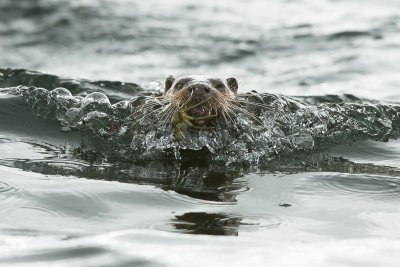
338	208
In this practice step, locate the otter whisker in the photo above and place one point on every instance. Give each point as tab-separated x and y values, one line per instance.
253	104
246	113
167	115
198	104
166	108
220	104
224	116
148	104
145	106
187	101
146	111
228	111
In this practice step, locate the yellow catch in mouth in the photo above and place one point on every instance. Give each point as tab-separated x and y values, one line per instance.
182	118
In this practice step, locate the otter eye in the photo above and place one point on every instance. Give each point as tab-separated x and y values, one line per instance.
179	86
220	86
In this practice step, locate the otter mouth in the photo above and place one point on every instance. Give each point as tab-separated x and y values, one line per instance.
200	114
194	115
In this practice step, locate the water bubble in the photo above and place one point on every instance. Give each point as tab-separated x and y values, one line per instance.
60	92
72	116
122	109
96	102
99	98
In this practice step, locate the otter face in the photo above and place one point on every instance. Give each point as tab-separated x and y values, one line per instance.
200	87
199	99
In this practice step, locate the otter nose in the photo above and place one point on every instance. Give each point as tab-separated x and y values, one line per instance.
199	89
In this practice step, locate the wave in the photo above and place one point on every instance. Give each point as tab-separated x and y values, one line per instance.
123	129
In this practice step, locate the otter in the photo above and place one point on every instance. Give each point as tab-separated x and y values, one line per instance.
196	100
199	98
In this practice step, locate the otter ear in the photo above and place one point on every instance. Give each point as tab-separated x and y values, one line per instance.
232	84
168	83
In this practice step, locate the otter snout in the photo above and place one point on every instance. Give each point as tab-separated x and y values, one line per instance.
198	90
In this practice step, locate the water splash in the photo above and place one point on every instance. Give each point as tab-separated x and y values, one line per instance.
284	125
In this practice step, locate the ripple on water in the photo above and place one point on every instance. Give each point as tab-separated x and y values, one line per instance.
5	191
352	185
235	188
257	221
4	187
13	149
29	216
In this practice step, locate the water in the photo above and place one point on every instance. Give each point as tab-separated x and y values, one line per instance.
73	192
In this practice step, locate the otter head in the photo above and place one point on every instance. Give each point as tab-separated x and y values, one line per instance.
200	97
200	84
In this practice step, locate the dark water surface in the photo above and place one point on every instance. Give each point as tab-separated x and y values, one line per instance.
312	199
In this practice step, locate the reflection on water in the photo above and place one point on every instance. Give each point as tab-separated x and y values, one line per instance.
206	224
249	207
